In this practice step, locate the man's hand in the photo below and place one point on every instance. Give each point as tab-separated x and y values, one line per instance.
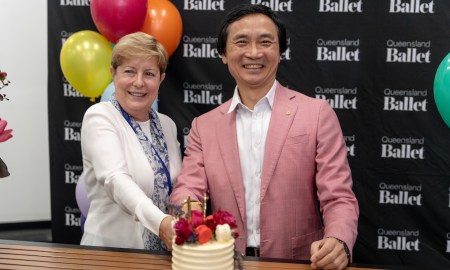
194	206
328	253
166	232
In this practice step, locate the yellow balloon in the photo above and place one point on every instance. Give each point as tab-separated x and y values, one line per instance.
85	59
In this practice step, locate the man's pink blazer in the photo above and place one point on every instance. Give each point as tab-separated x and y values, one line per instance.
306	189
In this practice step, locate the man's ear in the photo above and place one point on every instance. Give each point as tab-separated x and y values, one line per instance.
224	58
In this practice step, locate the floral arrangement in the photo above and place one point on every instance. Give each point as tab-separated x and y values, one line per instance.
5	134
195	228
3	82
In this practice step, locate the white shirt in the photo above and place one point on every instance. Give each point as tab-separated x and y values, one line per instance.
251	128
145	126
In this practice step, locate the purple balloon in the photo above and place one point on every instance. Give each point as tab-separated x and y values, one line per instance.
81	196
82	221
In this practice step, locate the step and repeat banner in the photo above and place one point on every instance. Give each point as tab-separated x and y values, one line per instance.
373	61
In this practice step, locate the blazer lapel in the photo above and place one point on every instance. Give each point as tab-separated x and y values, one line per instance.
283	113
225	130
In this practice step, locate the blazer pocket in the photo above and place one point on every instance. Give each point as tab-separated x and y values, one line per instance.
297	139
301	245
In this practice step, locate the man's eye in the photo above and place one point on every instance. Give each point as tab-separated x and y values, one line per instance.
241	42
266	42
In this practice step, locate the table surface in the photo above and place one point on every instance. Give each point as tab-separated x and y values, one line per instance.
19	255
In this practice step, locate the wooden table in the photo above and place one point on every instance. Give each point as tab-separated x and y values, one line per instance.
20	255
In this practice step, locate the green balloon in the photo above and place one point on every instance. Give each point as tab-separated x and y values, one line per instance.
442	89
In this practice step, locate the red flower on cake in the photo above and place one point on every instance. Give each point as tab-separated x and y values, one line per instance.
223	217
210	222
183	231
196	218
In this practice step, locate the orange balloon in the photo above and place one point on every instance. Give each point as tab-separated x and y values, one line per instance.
163	21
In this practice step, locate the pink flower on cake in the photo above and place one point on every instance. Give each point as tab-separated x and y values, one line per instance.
183	231
209	221
196	218
223	217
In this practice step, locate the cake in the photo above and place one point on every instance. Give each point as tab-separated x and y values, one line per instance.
204	243
211	255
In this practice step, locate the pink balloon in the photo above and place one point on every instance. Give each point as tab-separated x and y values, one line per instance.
81	196
117	18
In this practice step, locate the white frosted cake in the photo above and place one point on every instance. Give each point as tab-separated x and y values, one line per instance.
211	255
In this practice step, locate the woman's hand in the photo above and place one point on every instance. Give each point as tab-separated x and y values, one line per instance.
166	232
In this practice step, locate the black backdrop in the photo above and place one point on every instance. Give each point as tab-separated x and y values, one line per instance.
374	61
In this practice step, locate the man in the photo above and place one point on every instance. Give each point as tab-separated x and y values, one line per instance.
274	158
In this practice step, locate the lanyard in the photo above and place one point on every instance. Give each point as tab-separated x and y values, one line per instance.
166	171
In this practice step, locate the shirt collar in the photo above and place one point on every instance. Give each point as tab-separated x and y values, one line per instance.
236	100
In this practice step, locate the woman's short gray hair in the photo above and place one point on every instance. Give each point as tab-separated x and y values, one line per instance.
139	44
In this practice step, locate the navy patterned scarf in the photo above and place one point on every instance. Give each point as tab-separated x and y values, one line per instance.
158	157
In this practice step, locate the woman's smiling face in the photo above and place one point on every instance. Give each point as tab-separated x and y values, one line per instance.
137	82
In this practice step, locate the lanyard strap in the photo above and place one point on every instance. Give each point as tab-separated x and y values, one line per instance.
166	171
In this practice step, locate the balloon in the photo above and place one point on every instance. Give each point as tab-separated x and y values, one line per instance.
110	89
82	221
81	196
85	59
115	19
163	21
442	89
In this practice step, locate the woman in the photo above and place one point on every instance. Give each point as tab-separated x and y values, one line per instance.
131	155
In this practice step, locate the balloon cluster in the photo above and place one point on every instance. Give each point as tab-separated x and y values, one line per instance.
85	56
